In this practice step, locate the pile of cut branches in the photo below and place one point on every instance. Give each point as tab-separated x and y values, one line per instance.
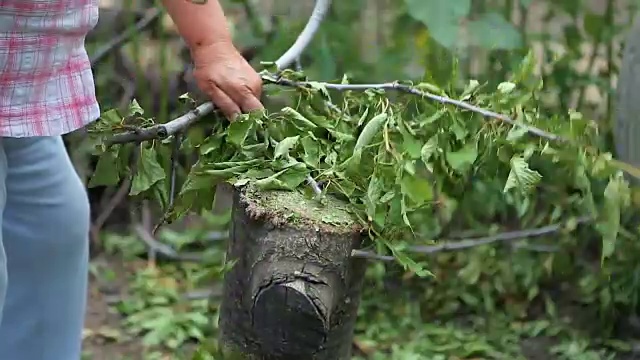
415	163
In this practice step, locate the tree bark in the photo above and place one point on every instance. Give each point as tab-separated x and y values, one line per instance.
627	126
294	290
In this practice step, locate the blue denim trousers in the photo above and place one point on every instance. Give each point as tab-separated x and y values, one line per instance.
44	251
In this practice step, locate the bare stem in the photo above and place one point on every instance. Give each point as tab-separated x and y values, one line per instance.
117	42
475	242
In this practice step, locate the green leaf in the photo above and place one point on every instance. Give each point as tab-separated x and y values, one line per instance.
461	160
406	262
311	151
106	172
595	25
441	17
149	171
135	108
516	133
239	130
493	31
284	146
419	190
521	177
506	87
617	196
429	149
111	117
299	119
374	193
287	179
410	143
370	131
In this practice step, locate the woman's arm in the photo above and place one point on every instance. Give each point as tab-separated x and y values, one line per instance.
219	69
199	25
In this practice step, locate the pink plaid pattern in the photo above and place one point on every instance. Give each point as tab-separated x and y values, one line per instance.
46	82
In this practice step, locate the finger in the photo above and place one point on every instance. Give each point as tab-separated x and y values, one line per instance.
244	97
251	103
228	107
256	88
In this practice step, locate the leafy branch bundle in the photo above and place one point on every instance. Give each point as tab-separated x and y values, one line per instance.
413	170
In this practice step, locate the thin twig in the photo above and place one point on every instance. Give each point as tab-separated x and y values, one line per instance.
314	185
475	242
152	254
536	248
196	294
122	38
165	250
370	255
502	237
106	212
128	91
162	131
175	152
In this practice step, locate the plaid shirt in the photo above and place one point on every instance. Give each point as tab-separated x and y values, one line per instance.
46	83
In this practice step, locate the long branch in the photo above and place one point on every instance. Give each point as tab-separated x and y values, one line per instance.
474	242
186	120
412	90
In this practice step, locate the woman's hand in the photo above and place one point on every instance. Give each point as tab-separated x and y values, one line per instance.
226	77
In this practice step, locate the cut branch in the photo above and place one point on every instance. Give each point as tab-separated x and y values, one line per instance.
412	90
475	242
161	131
183	122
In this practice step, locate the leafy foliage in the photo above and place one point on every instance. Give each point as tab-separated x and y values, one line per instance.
410	168
489	30
419	318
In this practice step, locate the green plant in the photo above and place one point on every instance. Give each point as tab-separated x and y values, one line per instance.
485	279
409	169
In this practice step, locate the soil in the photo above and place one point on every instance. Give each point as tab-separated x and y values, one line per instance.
104	337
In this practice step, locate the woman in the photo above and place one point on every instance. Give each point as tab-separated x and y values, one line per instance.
47	90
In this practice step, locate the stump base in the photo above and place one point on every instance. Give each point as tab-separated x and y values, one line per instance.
294	290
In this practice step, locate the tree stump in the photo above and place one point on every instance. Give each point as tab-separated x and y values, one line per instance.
627	122
294	290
